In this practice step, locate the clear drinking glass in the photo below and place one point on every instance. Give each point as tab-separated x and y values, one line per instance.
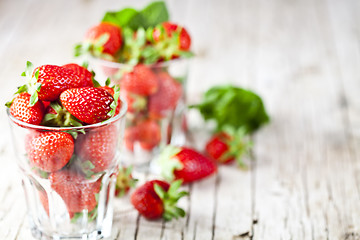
146	132
72	201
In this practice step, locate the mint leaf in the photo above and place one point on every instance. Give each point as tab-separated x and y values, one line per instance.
150	16
120	18
155	13
233	106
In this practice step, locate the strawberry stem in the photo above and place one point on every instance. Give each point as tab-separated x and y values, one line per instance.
170	199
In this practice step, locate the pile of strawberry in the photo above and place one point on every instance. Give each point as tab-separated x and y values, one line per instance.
67	96
141	41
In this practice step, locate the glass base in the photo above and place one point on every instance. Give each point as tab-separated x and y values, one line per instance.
38	234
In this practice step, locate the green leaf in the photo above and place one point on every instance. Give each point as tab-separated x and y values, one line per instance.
150	16
33	99
23	88
168	163
159	191
120	18
107	82
233	106
29	68
8	104
155	13
96	83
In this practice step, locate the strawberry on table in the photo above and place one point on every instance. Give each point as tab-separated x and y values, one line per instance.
49	151
96	149
227	146
141	80
184	163
103	40
89	104
20	109
77	192
157	199
166	98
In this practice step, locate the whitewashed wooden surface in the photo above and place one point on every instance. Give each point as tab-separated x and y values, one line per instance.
301	56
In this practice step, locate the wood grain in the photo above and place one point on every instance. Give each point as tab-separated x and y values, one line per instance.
301	56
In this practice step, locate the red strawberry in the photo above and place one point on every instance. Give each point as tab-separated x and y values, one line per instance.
147	133
89	104
141	81
97	148
108	89
49	151
225	147
166	98
106	36
54	80
112	92
185	163
44	200
77	192
170	29
156	199
20	109
135	102
85	75
124	181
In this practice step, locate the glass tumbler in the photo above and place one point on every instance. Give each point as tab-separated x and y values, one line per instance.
68	175
154	118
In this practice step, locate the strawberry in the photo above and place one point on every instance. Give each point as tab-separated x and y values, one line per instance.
77	192
44	200
136	103
147	133
184	39
112	92
103	40
49	151
54	80
89	104
141	81
225	147
58	116
124	181
85	75
20	109
184	163
166	98
155	199
97	148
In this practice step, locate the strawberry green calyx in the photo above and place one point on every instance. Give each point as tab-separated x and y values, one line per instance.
170	199
95	48
238	144
124	181
134	42
114	104
90	215
61	117
32	86
168	162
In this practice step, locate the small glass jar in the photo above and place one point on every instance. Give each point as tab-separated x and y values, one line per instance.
72	200
153	120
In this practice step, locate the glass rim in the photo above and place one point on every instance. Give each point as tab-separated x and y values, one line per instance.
121	114
121	65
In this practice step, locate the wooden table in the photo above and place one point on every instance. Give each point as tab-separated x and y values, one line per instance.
301	56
